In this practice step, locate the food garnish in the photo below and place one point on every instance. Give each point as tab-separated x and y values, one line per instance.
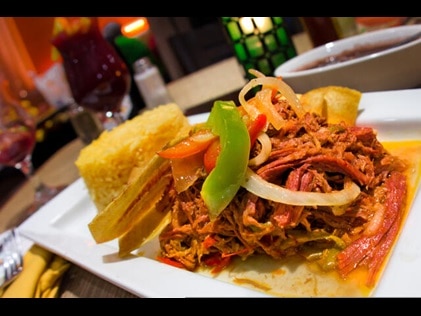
223	182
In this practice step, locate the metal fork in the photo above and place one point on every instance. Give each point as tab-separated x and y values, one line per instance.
11	257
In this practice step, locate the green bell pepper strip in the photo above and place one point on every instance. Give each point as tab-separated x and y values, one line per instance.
223	182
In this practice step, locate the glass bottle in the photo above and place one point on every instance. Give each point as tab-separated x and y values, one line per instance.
150	83
320	29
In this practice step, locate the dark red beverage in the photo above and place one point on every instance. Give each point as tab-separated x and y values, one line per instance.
15	144
98	77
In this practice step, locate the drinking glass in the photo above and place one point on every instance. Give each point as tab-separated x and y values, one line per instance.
17	142
98	78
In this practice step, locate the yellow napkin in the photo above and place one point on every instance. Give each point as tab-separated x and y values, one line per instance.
41	275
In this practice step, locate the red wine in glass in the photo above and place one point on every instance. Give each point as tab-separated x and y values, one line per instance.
17	141
97	76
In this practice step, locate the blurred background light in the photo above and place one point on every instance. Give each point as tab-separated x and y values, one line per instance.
135	28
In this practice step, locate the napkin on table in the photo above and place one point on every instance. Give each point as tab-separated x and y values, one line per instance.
41	275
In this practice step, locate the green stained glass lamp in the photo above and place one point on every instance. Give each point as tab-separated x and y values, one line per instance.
261	43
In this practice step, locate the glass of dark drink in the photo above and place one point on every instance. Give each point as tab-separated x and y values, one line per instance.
17	142
97	76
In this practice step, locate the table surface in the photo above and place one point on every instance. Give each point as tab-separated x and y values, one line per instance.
61	170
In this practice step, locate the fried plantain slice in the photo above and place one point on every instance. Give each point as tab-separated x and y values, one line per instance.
136	199
149	225
336	103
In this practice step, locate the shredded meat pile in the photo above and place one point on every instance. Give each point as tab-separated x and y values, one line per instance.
307	155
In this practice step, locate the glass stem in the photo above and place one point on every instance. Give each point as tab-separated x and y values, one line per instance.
43	193
26	166
27	169
112	119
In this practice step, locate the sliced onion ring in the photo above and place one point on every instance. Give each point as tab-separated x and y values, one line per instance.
265	151
264	104
260	187
273	83
256	73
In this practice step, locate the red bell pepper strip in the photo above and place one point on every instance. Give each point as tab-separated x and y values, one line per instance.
208	242
191	145
170	262
217	262
256	126
211	155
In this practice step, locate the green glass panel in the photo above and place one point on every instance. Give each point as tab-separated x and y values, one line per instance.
264	24
270	42
240	52
248	64
277	20
282	36
264	66
278	59
254	46
291	52
233	31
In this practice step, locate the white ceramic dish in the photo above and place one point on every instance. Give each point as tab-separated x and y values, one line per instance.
390	69
62	226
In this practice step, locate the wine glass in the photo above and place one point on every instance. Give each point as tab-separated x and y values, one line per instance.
98	78
17	142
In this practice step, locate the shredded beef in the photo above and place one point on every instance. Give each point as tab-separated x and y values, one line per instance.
308	155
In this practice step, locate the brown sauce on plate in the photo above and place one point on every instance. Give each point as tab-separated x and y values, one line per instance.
349	54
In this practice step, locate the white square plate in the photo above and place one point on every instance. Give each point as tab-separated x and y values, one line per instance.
61	226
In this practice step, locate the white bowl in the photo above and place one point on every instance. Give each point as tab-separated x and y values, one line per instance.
389	69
